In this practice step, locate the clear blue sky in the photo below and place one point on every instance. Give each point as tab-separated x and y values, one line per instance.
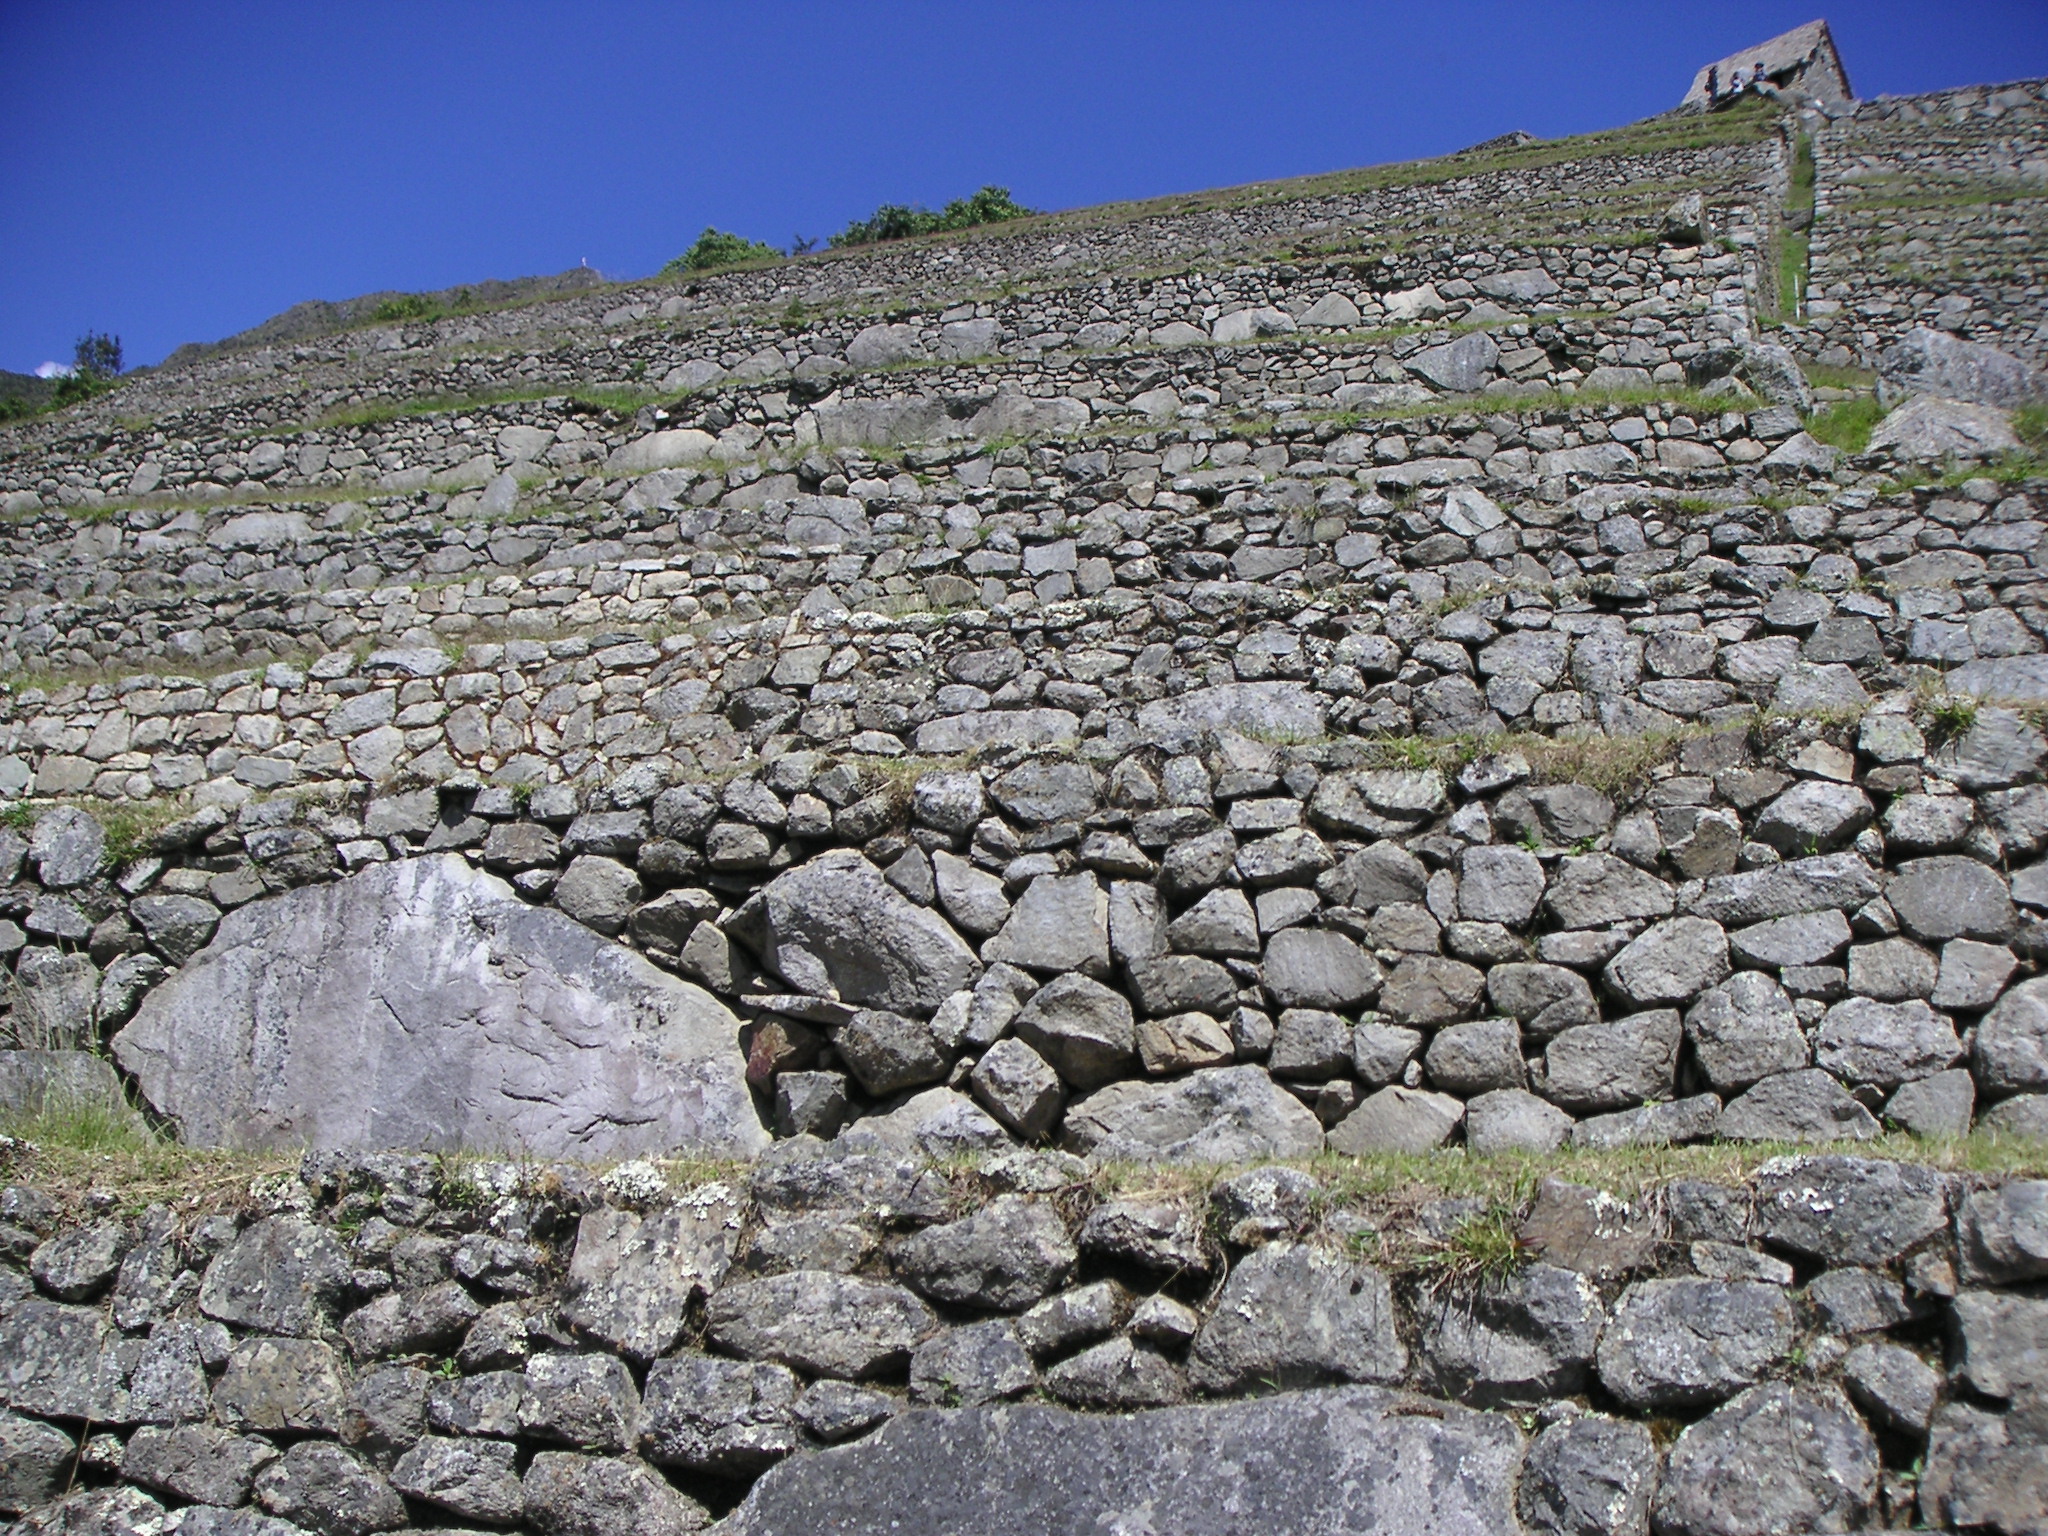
178	171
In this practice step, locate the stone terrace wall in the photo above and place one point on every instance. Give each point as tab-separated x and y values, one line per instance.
388	1342
1589	202
1931	210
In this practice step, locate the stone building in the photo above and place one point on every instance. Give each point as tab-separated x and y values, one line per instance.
1802	61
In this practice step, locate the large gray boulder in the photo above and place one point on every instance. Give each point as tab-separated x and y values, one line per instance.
1929	362
1931	428
423	1004
1350	1460
834	927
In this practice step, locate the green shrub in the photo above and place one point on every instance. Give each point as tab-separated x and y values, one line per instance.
2030	424
1847	424
407	306
719	248
897	221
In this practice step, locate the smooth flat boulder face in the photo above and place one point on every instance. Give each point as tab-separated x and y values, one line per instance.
422	1004
1343	1462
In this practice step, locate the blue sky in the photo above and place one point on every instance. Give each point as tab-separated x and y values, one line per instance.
177	171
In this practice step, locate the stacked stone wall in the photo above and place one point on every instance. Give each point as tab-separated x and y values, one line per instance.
389	1342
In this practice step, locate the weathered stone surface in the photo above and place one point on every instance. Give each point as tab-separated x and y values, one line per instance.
1218	1115
819	1323
1926	361
1082	1028
1862	1040
1291	1315
2011	1051
2002	1233
1589	1476
1671	962
1745	1029
1683	1343
471	1479
1893	1385
1841	881
1521	1340
1849	1210
726	1417
1002	1258
1118	1376
1060	923
1514	1120
35	1460
424	1004
1796	1106
329	1489
571	1495
2001	1343
588	1401
1986	1470
1597	1067
282	1275
1296	1464
1398	1119
632	1278
834	927
1777	1458
1318	968
292	1386
963	1367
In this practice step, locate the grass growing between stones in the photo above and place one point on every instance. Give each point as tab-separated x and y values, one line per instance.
1847	424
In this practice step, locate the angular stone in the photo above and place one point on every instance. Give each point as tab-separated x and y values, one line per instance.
1893	1385
1514	1120
1595	889
1082	1028
1670	962
35	1463
1017	1086
1002	1258
2001	1343
1427	989
1589	1476
1685	1343
821	1324
1849	1210
725	1417
1745	1029
1318	968
2002	1233
1597	1067
1777	1458
1398	1119
1061	923
1985	1471
632	1278
1937	1106
537	1033
282	1275
1948	897
288	1386
1839	881
571	1495
196	1462
965	1367
2011	1049
1476	1058
1294	1464
1218	1115
833	927
1864	1041
1118	1376
471	1479
1517	1341
1796	1106
1291	1315
325	1488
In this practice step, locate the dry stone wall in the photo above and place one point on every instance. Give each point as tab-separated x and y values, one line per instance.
844	1338
1929	212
